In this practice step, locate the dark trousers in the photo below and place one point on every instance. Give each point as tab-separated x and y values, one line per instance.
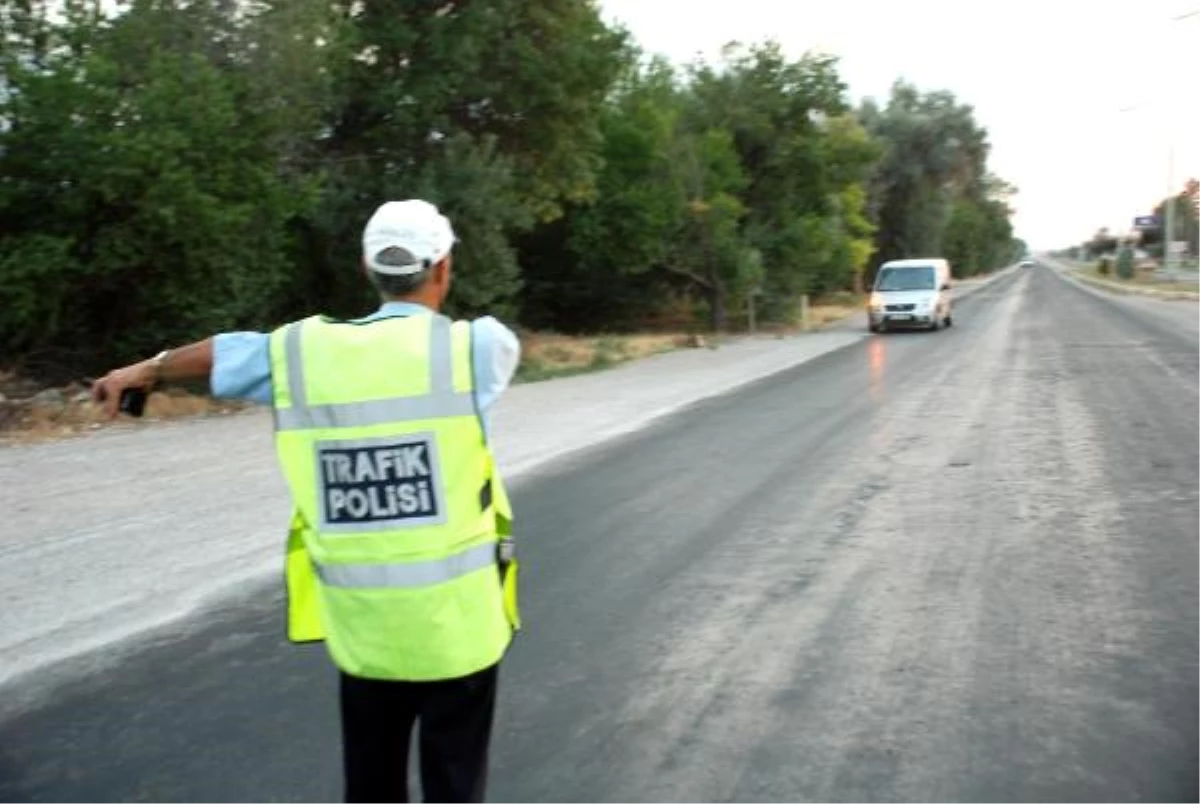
454	720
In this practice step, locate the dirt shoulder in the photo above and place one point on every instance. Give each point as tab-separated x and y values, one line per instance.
31	412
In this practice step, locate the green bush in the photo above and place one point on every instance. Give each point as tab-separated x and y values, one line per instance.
1125	263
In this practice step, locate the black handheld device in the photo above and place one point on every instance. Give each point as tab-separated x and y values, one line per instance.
133	402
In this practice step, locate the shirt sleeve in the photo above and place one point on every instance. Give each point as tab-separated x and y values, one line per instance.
242	367
497	353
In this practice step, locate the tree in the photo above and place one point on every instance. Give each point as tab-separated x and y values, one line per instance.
1185	227
1102	242
709	250
1125	261
599	266
141	198
744	176
773	170
801	155
490	110
931	192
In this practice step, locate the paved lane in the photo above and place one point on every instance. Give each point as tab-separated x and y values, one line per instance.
952	566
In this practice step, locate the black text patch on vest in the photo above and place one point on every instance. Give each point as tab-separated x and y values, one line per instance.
374	484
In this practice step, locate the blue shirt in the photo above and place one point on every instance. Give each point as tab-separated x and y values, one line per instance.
242	360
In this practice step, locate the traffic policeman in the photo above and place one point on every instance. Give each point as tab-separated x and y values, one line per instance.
399	555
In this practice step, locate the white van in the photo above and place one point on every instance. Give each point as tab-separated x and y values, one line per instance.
910	293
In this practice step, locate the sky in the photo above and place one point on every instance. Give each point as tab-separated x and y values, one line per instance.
1074	94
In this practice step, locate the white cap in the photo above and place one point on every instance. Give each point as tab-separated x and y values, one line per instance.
414	226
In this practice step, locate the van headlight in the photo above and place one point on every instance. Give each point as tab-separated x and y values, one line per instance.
875	302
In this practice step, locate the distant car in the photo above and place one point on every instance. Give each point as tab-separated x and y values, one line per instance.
1028	262
911	294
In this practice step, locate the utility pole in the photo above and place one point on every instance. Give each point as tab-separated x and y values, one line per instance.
1169	216
1169	222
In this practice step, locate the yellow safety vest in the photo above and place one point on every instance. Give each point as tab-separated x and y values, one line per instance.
399	551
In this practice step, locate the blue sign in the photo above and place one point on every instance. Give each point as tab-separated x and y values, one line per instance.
1145	221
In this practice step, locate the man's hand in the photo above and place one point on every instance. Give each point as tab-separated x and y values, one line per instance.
106	391
191	362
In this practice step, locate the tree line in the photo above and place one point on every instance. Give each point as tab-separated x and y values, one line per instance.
170	168
1184	223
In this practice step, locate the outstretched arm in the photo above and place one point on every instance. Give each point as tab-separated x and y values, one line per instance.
191	362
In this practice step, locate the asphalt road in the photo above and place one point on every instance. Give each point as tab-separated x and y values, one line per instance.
951	566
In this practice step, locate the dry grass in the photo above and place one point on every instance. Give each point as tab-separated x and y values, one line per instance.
68	412
821	313
1142	279
544	356
547	355
24	421
833	309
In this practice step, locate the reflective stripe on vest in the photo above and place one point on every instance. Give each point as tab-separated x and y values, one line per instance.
409	575
442	400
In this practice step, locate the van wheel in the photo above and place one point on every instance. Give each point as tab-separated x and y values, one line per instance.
935	325
875	327
949	321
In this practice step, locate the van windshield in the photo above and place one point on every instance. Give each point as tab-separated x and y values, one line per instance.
914	277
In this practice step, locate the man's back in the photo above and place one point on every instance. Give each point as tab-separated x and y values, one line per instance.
242	368
380	441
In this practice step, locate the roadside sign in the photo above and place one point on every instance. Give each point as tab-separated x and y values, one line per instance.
1145	221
